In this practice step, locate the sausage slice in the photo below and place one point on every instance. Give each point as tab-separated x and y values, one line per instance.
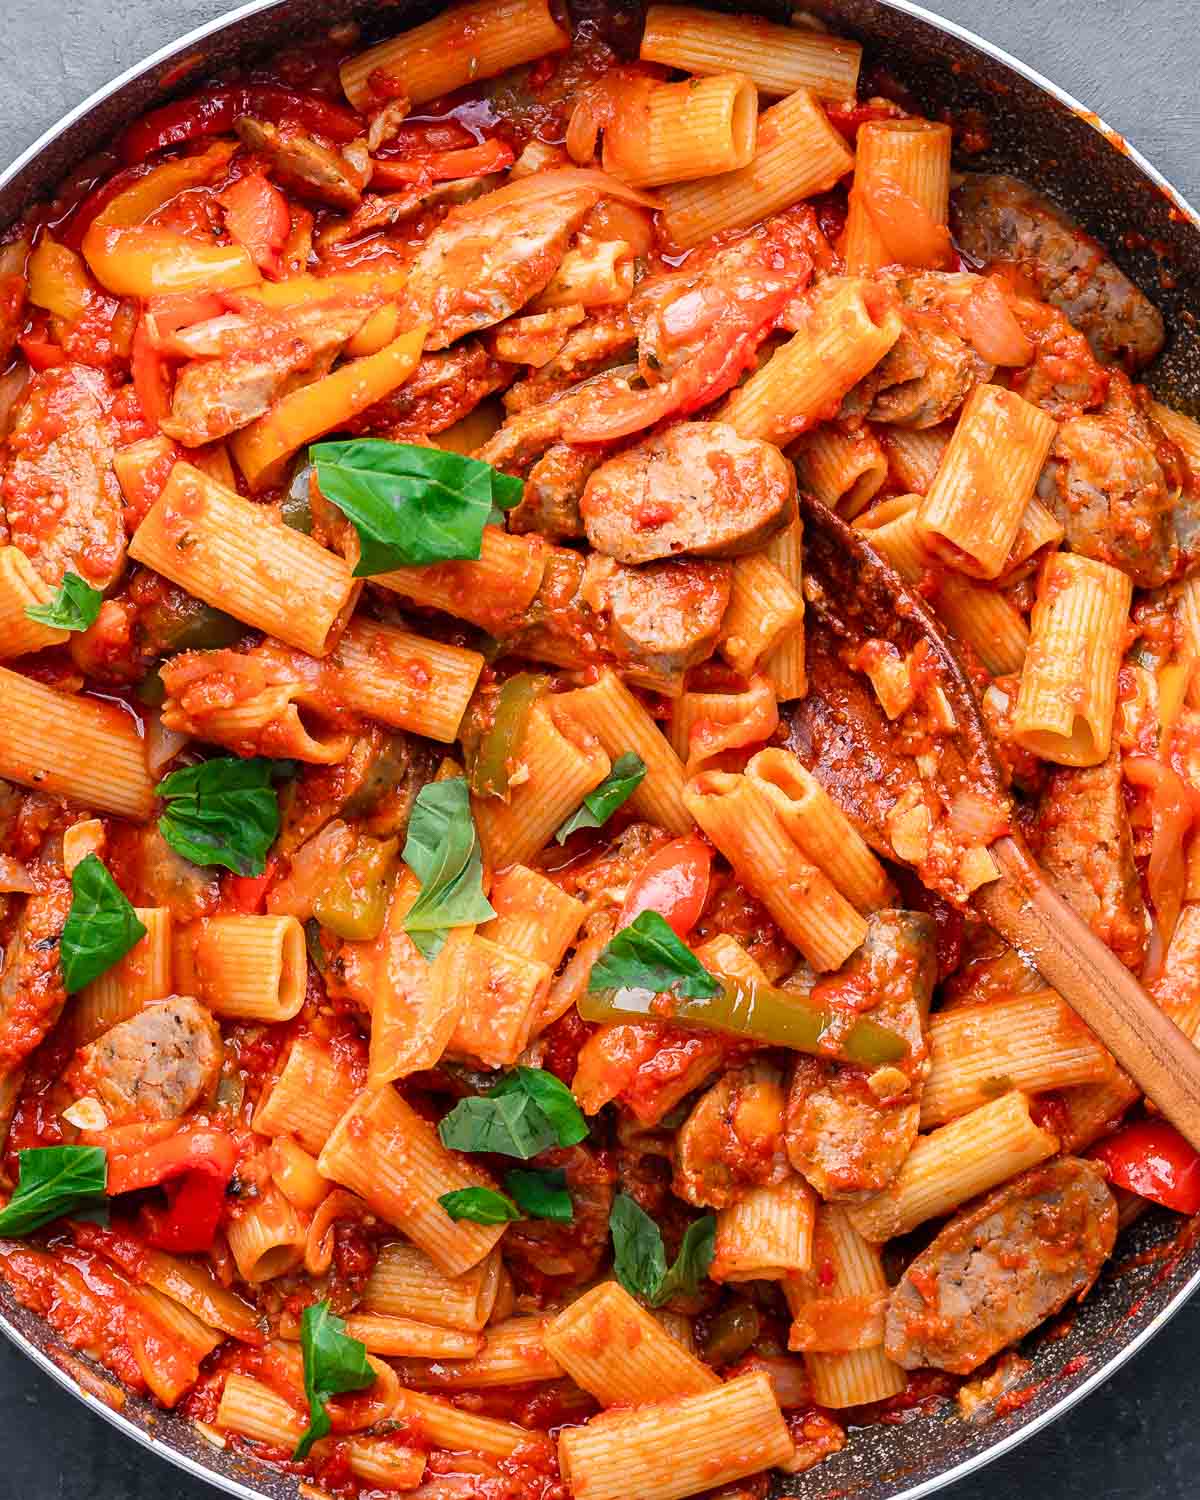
663	618
1001	218
999	1269
698	488
155	1066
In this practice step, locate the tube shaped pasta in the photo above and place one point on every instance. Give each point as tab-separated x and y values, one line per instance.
1031	1042
901	183
702	725
74	747
820	829
617	1351
979	616
383	1463
512	1352
669	1449
400	1338
1068	692
490	592
504	996
254	1410
311	1094
235	556
974	507
564	763
607	709
843	468
267	1238
810	910
766	1234
765	609
914	454
837	1316
144	974
534	917
945	1168
462	45
249	968
385	1152
406	1283
780	59
22	586
785	663
841	341
798	153
675	132
405	680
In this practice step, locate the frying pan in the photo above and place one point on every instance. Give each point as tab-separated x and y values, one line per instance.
1039	133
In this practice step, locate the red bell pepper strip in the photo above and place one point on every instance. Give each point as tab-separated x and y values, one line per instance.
442	166
674	883
258	217
193	1167
41	353
1150	1157
248	893
150	378
214	111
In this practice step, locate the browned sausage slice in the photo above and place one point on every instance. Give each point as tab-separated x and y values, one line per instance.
662	618
999	1269
301	164
155	1066
1001	218
698	487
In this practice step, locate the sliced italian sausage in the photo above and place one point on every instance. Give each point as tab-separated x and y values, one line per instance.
664	618
155	1066
31	983
1086	848
849	1129
698	488
1000	218
999	1269
303	165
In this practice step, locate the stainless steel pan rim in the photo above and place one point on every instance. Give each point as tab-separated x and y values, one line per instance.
194	1457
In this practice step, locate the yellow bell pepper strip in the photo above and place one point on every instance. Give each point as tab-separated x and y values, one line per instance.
760	1012
132	259
263	449
379	330
385	280
58	280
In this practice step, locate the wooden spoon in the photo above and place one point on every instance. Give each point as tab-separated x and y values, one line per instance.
842	734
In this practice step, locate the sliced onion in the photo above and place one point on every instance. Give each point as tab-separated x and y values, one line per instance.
991	326
911	236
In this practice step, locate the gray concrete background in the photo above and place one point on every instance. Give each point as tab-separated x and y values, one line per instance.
1133	63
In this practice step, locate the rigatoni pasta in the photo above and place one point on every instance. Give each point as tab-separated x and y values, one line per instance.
780	59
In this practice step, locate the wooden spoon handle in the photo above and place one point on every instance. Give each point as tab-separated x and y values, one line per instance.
1028	913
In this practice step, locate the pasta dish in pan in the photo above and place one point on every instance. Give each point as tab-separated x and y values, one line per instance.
493	998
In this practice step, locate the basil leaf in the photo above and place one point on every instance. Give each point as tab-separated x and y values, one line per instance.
541	1195
647	955
479	1204
442	851
410	505
223	812
692	1263
523	1115
333	1363
553	1098
599	805
640	1262
74	606
53	1181
101	926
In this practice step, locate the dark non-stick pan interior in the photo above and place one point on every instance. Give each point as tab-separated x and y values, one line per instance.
1021	127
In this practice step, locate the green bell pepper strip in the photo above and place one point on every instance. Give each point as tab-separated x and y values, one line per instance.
354	904
759	1012
500	743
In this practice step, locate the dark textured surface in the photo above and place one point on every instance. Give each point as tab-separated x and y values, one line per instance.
1134	65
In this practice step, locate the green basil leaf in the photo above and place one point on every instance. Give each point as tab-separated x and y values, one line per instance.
541	1195
223	812
552	1097
527	1112
74	606
410	505
53	1181
481	1205
640	1261
599	805
442	851
647	955
333	1363
692	1263
101	926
